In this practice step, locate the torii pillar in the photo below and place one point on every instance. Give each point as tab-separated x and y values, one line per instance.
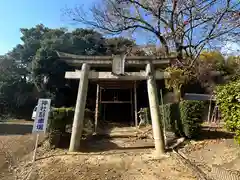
79	109
155	111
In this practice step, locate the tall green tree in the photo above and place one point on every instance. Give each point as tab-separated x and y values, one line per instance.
214	59
233	67
31	39
15	90
44	69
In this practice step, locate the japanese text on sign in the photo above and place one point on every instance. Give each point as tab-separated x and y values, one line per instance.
40	123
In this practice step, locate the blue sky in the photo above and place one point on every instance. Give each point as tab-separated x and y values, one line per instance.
16	14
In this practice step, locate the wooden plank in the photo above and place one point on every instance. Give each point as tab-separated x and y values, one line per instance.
115	84
129	76
115	102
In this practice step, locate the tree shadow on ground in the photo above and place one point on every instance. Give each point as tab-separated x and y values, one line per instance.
108	142
214	134
15	129
208	134
102	143
106	127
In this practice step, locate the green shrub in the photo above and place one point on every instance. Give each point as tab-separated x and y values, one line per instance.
228	99
177	126
191	113
171	118
59	118
184	118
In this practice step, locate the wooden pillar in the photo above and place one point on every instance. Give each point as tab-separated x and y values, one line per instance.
96	109
131	96
209	110
100	103
79	109
135	104
155	111
104	112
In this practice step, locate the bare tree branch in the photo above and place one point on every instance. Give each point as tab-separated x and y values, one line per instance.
182	26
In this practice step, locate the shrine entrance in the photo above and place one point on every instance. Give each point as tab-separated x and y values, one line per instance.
115	88
116	103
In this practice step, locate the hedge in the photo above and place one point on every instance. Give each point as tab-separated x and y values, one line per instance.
228	100
171	118
59	119
191	113
184	118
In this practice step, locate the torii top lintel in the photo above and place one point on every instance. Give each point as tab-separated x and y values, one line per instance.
106	61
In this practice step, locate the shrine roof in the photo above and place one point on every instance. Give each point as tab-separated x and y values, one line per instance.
106	61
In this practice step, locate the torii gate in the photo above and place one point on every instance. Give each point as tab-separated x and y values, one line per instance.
118	63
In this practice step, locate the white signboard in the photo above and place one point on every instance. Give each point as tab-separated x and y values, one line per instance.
40	122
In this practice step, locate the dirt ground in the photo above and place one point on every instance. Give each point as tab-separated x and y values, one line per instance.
217	154
128	159
12	149
123	155
15	143
113	157
222	152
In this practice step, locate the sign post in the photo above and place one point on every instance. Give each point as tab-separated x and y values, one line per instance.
40	122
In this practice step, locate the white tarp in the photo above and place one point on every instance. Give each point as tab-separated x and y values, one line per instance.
41	119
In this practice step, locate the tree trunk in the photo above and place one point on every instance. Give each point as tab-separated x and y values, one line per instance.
164	43
177	95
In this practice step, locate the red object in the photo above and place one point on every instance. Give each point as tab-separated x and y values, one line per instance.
185	22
